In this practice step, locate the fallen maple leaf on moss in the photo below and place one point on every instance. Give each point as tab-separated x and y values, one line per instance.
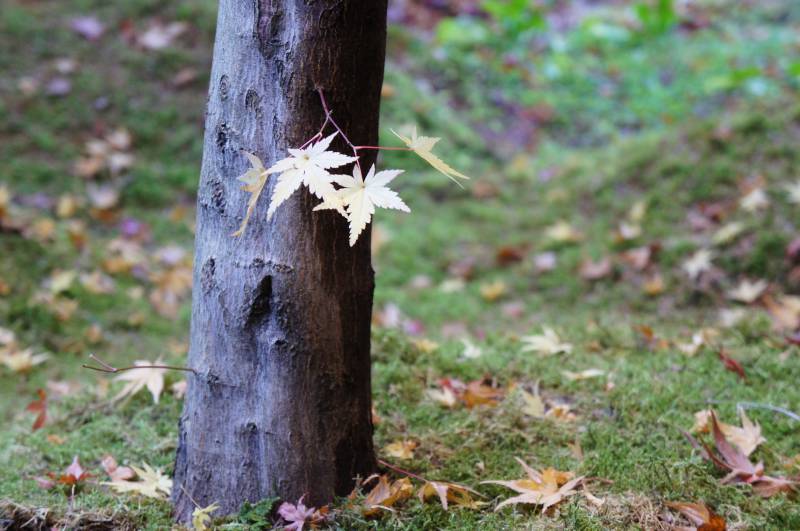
746	439
152	483
401	449
448	493
546	488
201	517
547	343
738	466
298	515
385	495
701	517
39	406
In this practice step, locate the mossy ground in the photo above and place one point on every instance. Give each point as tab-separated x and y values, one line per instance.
698	151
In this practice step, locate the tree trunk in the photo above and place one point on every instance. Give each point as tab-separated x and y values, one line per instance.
280	337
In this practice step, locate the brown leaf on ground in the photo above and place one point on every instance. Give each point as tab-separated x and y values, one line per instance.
73	475
114	471
401	449
591	270
39	406
746	439
481	392
701	517
738	466
731	364
546	488
385	495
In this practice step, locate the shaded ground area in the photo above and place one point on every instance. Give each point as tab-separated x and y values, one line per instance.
635	190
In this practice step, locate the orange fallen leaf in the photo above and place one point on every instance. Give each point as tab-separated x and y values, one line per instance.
385	495
701	517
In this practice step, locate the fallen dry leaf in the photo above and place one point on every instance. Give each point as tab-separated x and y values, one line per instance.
401	449
201	517
583	375
546	343
738	466
546	488
493	290
746	439
563	232
748	292
591	270
38	406
298	515
152	483
731	364
701	517
448	493
385	495
114	471
698	263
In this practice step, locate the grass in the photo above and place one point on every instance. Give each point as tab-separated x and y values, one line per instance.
590	166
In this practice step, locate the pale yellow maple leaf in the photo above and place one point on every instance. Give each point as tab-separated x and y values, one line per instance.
698	263
728	232
425	345
562	231
401	449
444	396
21	361
422	146
546	343
747	291
583	375
533	406
361	195
201	517
793	189
152	483
545	488
306	166
386	495
493	290
755	199
137	379
747	438
254	180
449	493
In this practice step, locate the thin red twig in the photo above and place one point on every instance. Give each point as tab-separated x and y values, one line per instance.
383	148
401	471
329	118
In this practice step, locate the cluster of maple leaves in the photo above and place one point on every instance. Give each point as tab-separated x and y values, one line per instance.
354	196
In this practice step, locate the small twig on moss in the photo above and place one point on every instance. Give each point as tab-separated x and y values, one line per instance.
111	369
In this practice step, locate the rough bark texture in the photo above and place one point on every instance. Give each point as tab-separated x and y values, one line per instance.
280	336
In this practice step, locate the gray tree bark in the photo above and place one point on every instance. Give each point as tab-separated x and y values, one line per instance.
280	403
